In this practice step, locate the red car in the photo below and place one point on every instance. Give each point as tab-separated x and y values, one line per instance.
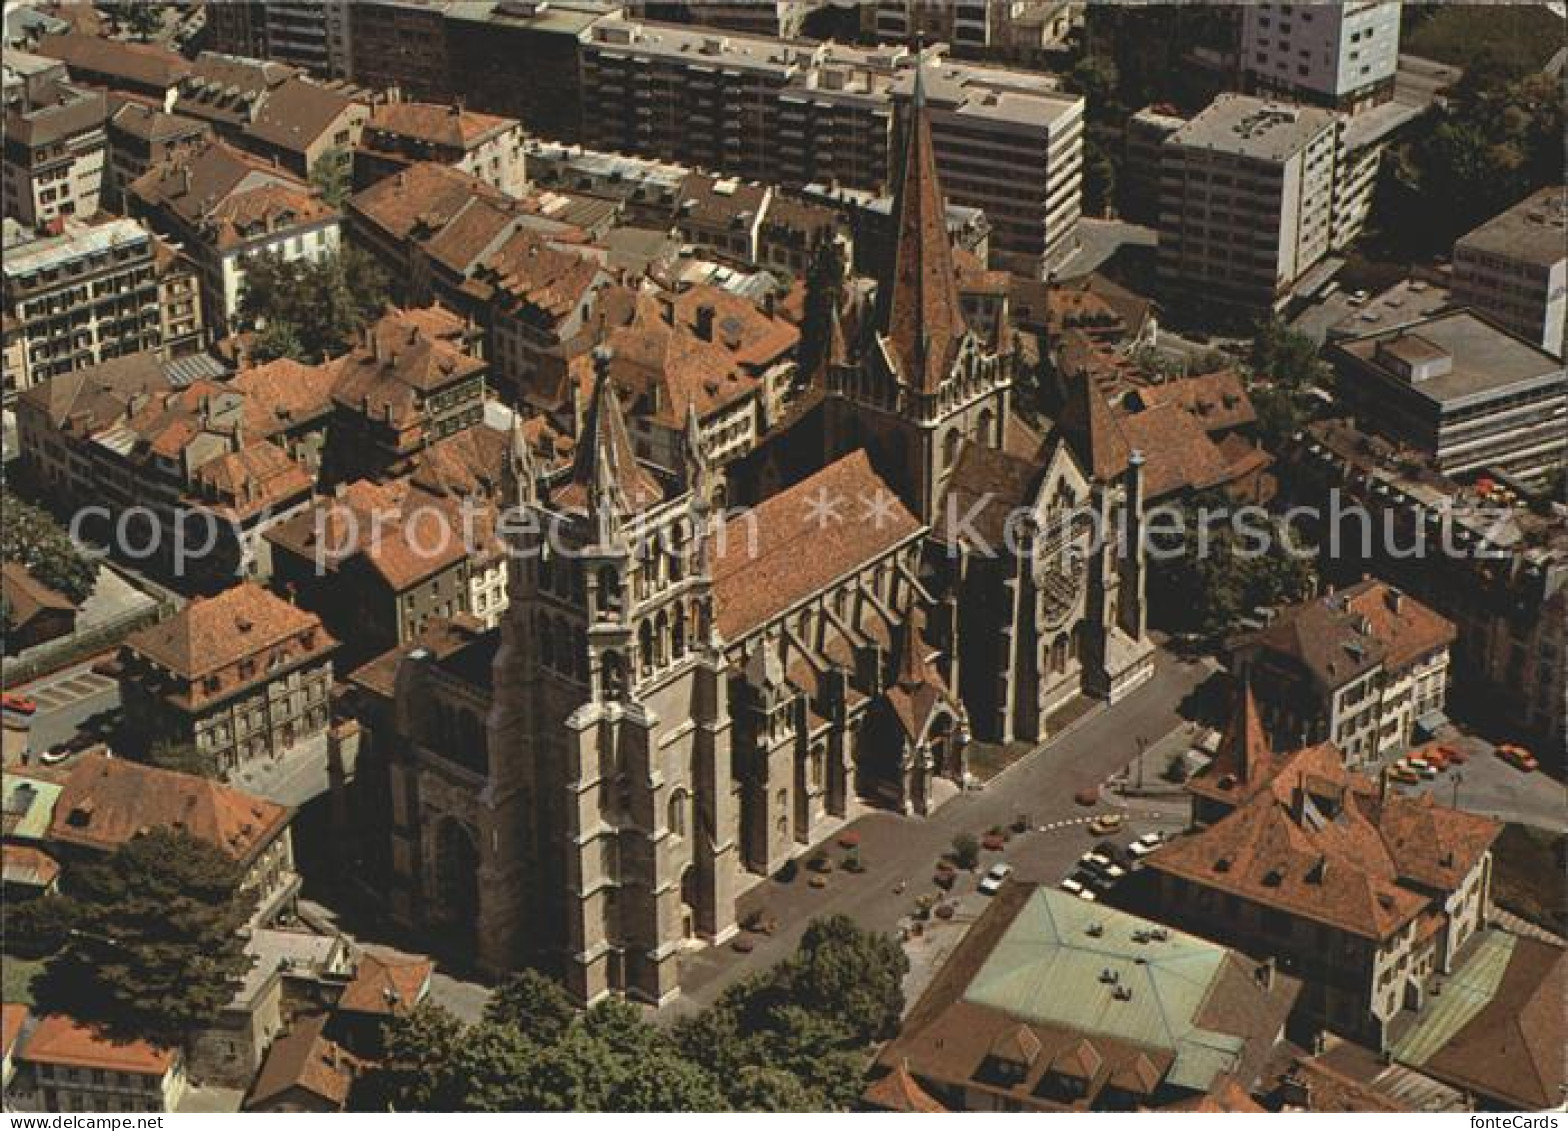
1455	756
18	704
1518	757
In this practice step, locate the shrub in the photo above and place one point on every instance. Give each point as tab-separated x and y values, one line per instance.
966	851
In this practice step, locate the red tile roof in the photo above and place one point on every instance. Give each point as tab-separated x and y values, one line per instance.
605	460
62	1040
27	866
790	546
388	983
105	801
452	126
212	633
898	1091
306	1059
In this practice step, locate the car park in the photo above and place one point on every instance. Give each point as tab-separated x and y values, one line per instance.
992	881
1098	864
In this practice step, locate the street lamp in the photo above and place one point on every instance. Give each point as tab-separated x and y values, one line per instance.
1458	777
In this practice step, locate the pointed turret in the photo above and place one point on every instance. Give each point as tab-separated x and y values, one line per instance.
918	306
606	478
1244	747
518	488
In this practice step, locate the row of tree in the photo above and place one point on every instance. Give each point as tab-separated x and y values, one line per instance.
794	1038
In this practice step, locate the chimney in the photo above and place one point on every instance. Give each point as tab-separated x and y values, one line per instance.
705	322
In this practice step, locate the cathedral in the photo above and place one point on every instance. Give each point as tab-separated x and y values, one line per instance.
686	693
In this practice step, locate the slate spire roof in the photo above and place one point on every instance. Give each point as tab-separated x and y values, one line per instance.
605	472
918	305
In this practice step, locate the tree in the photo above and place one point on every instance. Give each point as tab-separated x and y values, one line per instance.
418	1071
966	851
853	975
763	1088
325	302
1286	357
493	1064
154	948
331	176
141	18
275	340
182	757
32	538
534	1005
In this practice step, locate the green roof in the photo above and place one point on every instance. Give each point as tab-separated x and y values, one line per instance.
1465	993
1078	965
29	806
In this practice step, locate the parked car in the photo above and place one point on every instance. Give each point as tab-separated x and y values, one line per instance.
1518	757
1072	886
18	704
992	881
1402	771
1098	864
1144	845
1422	767
1455	755
1106	824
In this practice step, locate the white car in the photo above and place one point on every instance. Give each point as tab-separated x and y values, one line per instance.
1072	886
1422	767
1144	845
1099	864
992	881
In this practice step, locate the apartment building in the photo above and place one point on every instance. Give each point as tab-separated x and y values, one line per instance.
141	136
241	677
1247	201
399	134
64	1065
1370	898
1495	564
402	44
1514	269
224	206
55	154
1017	30
1462	390
1338	55
795	112
80	298
1361	668
316	36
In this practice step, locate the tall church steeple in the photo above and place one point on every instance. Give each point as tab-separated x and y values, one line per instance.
918	306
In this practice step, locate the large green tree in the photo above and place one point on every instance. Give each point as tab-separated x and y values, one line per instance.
31	537
154	946
324	302
846	972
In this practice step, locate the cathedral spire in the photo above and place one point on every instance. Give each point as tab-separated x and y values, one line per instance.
606	478
520	480
918	305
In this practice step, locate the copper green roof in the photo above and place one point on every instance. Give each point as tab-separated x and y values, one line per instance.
1073	964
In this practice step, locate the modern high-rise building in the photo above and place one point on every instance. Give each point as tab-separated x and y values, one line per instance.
1247	200
315	35
1514	269
797	112
1339	55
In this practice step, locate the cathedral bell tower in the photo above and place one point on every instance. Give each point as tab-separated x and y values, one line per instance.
925	383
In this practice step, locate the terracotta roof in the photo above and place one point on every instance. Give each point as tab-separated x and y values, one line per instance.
481	226
1227	1097
470	463
212	633
13	1015
789	547
1217	400
140	63
284	394
257	477
153	125
917	688
898	1091
92	398
452	126
62	1040
401	363
1244	762
984	489
388	983
441	637
1091	426
533	270
918	304
297	113
1329	1090
106	801
1512	1050
27	596
421	198
304	1058
27	866
1317	841
1337	637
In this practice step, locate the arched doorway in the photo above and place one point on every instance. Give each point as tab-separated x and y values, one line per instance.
456	895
